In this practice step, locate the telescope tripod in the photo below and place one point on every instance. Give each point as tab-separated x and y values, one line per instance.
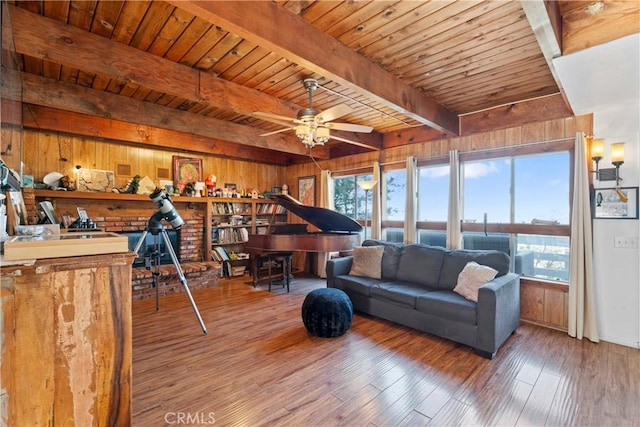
155	227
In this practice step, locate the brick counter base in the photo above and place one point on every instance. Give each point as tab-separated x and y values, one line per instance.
199	275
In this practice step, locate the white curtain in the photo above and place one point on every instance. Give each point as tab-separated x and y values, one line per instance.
376	213
411	206
454	236
582	313
326	201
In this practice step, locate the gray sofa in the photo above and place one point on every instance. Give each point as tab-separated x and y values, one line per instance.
523	261
416	290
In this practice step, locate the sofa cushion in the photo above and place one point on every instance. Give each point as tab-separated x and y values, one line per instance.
367	261
398	292
472	276
421	264
447	305
390	257
455	260
358	284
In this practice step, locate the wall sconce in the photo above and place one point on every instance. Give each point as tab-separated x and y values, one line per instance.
617	159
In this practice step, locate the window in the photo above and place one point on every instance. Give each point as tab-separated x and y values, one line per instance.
530	189
344	195
517	203
395	185
541	188
349	198
486	187
433	193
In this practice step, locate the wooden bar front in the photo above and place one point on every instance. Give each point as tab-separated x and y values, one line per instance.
67	342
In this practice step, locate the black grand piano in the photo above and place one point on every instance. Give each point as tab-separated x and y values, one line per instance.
337	233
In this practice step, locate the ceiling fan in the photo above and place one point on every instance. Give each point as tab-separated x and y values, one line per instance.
313	126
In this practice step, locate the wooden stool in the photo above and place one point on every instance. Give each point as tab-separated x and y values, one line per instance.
284	258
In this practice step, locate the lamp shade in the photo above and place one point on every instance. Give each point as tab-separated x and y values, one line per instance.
617	153
322	135
367	185
597	149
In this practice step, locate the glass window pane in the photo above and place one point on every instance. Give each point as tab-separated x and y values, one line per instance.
433	237
396	195
395	235
542	188
544	257
344	193
348	197
433	193
486	186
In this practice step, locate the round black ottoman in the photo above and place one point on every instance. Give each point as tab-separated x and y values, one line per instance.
327	312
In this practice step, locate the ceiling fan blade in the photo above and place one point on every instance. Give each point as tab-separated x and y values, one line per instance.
359	144
276	131
349	127
265	116
334	112
278	122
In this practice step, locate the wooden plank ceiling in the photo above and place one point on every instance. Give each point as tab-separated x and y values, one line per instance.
205	67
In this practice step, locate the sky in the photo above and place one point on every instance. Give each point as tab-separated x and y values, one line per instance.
541	190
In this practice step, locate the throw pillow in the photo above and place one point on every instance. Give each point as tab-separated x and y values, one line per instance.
472	276
367	261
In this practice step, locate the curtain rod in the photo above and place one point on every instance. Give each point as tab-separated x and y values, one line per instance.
483	150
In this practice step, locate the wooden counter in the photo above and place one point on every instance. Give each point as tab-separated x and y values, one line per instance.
66	341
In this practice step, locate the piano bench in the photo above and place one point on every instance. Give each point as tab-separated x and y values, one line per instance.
282	258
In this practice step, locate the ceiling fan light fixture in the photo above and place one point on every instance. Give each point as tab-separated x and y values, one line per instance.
305	135
312	126
322	135
302	131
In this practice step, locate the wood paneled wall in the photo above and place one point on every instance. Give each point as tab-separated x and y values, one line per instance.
46	152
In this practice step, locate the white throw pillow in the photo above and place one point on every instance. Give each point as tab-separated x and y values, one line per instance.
472	276
367	261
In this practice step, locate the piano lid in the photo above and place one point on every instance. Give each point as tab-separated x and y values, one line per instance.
327	220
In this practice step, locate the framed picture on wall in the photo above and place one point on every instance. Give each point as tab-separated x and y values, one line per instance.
307	190
186	169
615	203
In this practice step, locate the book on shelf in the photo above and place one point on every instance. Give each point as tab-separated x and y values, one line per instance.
270	208
220	254
231	235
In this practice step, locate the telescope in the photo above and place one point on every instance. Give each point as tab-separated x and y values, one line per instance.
166	209
167	212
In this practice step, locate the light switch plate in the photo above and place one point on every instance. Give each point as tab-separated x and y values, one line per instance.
627	242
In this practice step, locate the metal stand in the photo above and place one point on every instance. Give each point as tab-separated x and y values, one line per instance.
155	227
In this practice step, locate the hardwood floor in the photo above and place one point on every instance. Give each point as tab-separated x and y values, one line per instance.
258	366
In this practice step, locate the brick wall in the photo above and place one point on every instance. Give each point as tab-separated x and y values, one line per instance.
191	234
122	215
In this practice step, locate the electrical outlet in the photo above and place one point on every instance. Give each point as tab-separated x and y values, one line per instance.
627	242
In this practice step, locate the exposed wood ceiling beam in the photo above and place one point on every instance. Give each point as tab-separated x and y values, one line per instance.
546	22
51	40
272	26
97	127
64	96
516	114
48	39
